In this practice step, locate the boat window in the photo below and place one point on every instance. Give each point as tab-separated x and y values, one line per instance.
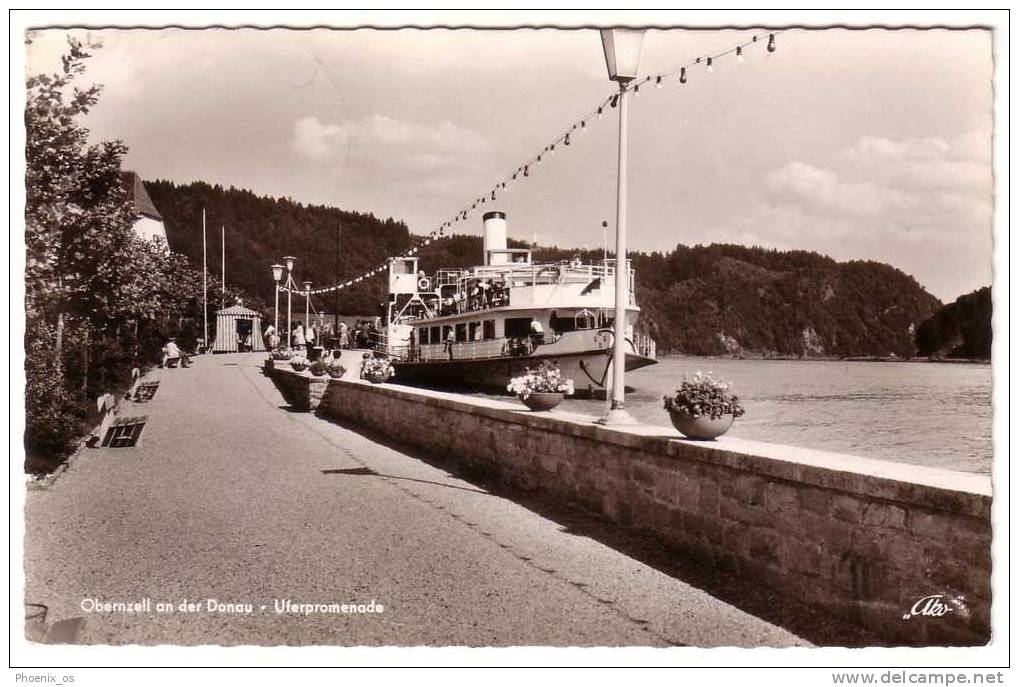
562	323
472	331
585	319
489	329
436	337
403	267
461	332
518	326
423	335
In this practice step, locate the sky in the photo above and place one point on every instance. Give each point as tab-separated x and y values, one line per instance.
868	144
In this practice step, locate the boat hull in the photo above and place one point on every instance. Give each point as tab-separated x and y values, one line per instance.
589	371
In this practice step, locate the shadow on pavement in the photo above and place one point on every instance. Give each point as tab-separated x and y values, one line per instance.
368	472
812	625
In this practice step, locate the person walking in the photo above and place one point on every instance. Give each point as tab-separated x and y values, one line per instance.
310	338
297	339
344	336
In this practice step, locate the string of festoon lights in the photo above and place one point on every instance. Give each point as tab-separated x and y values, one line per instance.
681	75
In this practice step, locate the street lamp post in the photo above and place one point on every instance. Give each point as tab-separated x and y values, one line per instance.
307	308
289	262
277	275
622	58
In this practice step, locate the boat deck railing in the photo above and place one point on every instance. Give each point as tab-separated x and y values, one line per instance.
472	350
645	345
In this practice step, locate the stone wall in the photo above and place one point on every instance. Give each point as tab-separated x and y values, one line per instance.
302	390
864	539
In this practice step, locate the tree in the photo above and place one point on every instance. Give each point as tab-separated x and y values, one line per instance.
78	216
99	300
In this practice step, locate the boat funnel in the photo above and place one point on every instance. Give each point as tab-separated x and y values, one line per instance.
495	233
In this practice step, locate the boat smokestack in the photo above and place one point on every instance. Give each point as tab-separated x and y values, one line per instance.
495	232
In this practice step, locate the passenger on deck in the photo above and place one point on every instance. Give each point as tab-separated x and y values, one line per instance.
450	340
537	334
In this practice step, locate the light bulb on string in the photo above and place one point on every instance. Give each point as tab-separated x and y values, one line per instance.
771	42
583	127
526	171
636	91
658	82
682	75
615	99
710	67
551	151
566	141
600	111
739	54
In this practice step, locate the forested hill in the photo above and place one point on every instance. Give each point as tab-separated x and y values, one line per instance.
961	329
735	299
713	299
261	230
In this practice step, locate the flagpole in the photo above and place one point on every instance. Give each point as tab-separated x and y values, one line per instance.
205	287
336	293
222	291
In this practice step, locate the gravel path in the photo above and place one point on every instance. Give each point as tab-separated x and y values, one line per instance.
231	496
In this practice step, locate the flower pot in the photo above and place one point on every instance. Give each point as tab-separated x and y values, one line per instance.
319	373
336	374
701	427
299	367
543	400
376	378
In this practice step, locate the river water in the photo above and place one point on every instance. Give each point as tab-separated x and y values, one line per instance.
935	414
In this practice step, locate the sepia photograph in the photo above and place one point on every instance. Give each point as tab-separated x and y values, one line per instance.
667	332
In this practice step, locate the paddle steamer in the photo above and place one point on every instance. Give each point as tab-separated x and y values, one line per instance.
480	326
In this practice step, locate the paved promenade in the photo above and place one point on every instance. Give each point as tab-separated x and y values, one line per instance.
233	497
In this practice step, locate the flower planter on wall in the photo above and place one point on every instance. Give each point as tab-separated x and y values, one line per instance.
702	426
539	401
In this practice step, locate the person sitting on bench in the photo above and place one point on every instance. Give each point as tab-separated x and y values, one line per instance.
172	355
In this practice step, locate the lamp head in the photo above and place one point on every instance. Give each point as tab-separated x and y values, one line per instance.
289	261
622	52
277	273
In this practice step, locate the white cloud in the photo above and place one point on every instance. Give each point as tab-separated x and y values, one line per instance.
317	141
922	204
388	150
823	190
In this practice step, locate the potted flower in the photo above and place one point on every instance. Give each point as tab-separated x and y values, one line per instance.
703	407
376	370
282	354
335	369
299	363
542	387
319	367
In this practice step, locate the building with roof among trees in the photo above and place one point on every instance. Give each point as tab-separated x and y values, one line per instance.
149	224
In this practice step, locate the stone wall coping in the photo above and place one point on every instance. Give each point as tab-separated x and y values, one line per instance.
871	478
